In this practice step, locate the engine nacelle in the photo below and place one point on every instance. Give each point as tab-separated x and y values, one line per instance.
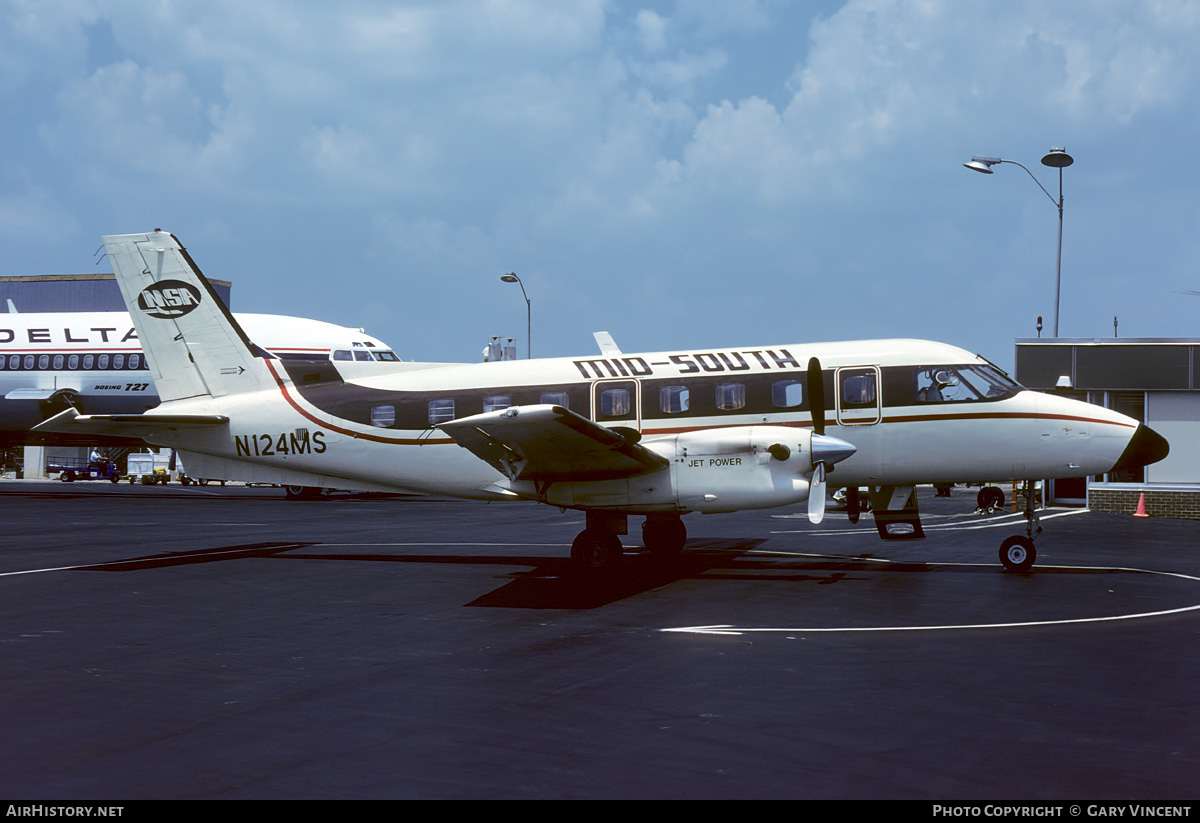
753	467
710	471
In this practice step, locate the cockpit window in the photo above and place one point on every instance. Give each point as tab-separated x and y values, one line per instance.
362	355
956	384
389	356
342	354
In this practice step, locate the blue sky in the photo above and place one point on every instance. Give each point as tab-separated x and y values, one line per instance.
683	174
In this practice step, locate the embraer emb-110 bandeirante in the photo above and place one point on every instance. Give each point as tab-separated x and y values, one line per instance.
657	435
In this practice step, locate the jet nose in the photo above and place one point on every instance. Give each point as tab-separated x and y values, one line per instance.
1145	447
830	450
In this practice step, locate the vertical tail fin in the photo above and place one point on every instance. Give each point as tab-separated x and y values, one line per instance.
192	344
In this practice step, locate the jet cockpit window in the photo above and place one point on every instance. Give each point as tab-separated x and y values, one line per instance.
342	354
674	399
383	416
388	356
496	402
441	411
731	396
787	394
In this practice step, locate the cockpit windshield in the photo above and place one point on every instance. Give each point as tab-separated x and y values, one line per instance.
956	384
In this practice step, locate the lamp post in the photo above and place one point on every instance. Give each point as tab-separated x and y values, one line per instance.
512	278
1056	158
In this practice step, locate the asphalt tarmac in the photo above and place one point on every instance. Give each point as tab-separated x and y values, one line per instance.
163	642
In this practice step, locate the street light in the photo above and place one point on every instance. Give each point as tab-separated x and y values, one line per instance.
1056	158
512	278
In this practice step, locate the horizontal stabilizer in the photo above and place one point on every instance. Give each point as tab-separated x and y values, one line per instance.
127	425
546	443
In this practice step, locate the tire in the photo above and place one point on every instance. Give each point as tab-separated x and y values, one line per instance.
302	492
1017	553
990	499
596	553
67	477
664	536
203	481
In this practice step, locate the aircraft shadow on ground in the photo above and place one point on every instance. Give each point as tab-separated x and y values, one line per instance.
553	583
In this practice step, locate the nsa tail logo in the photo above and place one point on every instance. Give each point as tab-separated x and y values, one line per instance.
168	299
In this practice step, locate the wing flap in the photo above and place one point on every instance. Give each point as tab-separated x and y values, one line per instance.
71	421
549	443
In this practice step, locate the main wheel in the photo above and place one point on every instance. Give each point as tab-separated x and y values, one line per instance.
1017	553
596	552
302	492
990	499
664	536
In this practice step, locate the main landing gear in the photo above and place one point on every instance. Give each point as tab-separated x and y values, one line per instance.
1017	552
597	550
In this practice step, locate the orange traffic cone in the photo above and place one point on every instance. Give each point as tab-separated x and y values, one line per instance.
1141	509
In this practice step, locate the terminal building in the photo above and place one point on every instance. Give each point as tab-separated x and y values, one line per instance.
1154	380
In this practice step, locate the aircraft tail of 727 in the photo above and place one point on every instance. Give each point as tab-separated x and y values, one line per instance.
194	347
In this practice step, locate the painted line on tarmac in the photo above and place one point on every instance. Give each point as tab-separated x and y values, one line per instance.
737	631
964	525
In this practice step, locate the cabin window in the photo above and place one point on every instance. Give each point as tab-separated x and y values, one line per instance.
135	361
102	361
383	416
674	399
787	394
731	396
496	402
118	361
3	361
615	403
44	361
29	361
557	398
14	362
88	360
73	361
58	361
342	354
858	388
441	411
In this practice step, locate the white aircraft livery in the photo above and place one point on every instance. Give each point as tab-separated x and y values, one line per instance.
94	361
657	435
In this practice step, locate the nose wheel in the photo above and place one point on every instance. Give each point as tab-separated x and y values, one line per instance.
1017	552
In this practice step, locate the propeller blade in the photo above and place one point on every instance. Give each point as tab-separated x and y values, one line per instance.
816	495
816	395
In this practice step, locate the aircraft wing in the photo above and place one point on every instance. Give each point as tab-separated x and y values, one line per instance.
126	425
552	443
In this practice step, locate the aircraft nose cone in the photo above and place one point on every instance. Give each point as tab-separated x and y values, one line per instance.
1145	447
830	450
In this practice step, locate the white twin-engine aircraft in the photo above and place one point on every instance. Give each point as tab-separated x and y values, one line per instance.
657	435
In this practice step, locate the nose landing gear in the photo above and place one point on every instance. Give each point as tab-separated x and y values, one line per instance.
1017	553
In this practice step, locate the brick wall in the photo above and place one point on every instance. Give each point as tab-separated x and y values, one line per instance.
1159	502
